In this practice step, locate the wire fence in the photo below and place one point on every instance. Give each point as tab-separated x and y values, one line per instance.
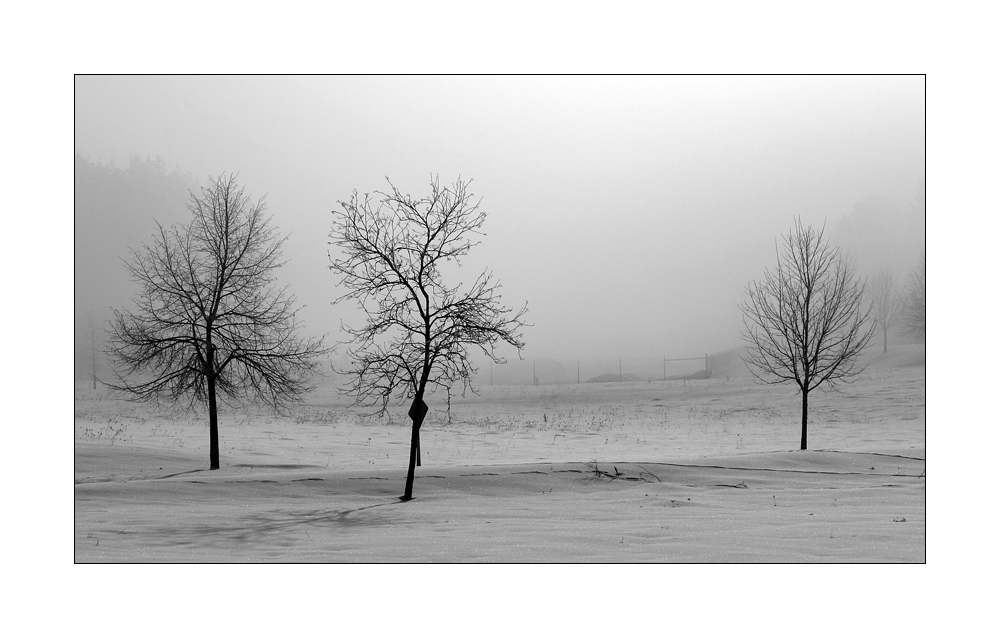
551	371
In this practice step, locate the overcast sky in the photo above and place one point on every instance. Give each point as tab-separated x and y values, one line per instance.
628	212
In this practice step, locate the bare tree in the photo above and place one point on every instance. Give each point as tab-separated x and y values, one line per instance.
419	330
210	322
93	351
886	303
915	309
806	321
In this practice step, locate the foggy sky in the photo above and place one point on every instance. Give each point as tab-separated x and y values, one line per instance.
629	212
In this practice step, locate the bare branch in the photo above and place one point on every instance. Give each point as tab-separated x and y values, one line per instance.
419	330
915	309
886	302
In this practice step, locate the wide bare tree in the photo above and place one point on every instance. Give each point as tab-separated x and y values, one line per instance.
806	322
886	302
210	322
419	330
915	307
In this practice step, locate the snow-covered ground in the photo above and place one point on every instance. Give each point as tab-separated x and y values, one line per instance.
702	471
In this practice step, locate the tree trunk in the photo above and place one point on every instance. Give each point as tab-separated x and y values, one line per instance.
885	340
805	412
213	426
213	412
418	418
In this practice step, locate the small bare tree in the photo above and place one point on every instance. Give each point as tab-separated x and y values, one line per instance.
419	330
806	322
93	351
209	319
915	308
886	303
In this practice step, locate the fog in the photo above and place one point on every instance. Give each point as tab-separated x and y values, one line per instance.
628	212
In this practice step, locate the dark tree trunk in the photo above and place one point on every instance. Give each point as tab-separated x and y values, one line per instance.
805	412
213	426
213	412
885	340
418	418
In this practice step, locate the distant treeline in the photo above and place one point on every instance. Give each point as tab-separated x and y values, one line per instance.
114	209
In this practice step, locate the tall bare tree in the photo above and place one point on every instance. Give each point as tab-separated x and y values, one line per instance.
915	308
806	322
210	321
886	303
419	330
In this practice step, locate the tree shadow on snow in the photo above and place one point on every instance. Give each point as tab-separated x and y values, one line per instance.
343	518
264	524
